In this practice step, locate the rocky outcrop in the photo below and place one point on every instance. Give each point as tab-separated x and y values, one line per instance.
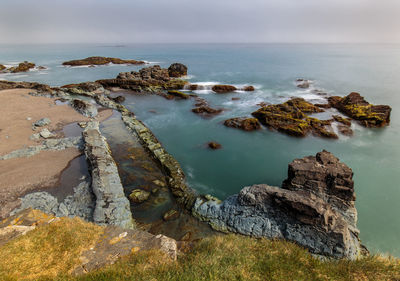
314	208
2	67
112	207
291	118
139	195
100	61
243	123
148	79
177	70
356	107
80	204
214	145
22	67
222	89
178	94
41	88
83	87
207	111
84	107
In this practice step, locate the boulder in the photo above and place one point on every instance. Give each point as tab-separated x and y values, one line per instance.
42	122
139	195
177	70
214	145
248	88
222	89
45	133
244	123
41	88
100	61
85	87
206	111
340	119
314	208
356	107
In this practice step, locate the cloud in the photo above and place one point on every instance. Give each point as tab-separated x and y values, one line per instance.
125	21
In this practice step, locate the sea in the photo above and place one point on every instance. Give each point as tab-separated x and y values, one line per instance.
248	158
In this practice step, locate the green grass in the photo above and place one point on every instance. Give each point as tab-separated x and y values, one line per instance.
50	252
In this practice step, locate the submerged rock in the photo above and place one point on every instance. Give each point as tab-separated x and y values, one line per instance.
100	61
314	208
177	70
139	195
178	94
119	99
214	145
171	215
41	88
356	107
244	123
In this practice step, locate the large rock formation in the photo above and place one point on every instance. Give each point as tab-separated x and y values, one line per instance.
6	85
100	61
150	79
356	107
22	67
291	118
314	208
112	207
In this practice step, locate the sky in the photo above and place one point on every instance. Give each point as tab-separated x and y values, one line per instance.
199	21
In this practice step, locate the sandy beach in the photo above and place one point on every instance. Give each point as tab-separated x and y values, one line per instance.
21	175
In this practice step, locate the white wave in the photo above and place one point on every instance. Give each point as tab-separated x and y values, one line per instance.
19	76
152	62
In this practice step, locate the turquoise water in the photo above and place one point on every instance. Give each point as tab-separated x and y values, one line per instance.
259	157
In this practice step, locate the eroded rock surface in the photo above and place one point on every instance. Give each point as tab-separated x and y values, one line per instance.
246	124
356	107
112	207
314	208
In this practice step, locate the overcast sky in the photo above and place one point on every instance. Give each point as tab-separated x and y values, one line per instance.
153	21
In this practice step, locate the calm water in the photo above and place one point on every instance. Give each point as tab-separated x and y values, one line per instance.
260	157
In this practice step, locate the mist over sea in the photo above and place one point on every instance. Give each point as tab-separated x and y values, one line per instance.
263	156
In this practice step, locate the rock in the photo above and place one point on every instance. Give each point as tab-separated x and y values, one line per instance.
356	107
302	83
249	88
178	94
82	124
149	79
206	111
40	67
340	119
100	61
290	117
171	215
235	98
112	207
41	88
322	128
119	99
42	122
221	89
35	137
214	145
2	67
45	133
159	183
84	107
244	123
192	87
314	208
177	70
345	130
83	87
323	105
22	67
139	195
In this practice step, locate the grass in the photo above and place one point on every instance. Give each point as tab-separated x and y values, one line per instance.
225	257
48	250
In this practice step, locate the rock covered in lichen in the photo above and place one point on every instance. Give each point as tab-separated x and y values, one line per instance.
356	107
178	94
243	123
177	70
22	67
221	89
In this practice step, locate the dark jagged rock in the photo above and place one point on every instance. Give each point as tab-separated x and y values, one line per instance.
6	85
244	123
214	145
85	86
248	88
206	111
314	208
100	61
322	128
356	107
84	107
290	118
22	67
222	89
177	70
340	119
148	79
119	99
178	94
